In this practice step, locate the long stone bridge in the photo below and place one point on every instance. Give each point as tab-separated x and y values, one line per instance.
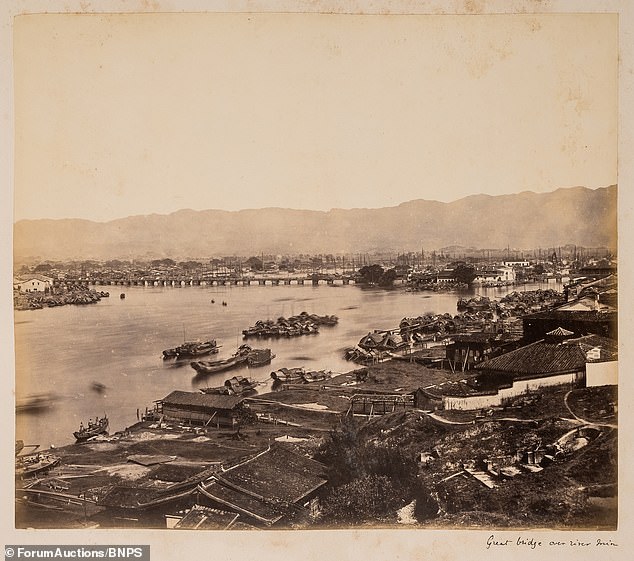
313	280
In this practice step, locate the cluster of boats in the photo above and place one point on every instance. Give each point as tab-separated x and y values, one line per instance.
476	304
514	304
244	356
294	326
191	349
300	376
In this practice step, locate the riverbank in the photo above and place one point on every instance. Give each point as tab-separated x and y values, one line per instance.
39	300
160	463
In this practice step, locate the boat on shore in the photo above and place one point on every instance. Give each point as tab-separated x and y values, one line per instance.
238	385
288	375
94	428
191	349
316	376
35	463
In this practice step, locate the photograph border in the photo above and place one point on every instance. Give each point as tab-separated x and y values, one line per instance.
340	544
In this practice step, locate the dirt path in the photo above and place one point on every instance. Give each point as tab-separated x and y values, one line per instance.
585	421
298	407
445	421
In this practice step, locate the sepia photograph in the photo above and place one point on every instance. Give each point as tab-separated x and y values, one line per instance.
292	278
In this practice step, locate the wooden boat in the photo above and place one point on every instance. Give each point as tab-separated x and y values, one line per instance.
33	464
237	385
286	375
191	349
238	358
316	376
94	428
213	366
259	357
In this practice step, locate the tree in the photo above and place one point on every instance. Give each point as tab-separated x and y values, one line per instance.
255	263
371	274
190	265
465	273
350	456
388	277
367	498
163	262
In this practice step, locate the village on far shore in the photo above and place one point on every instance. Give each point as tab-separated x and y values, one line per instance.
501	415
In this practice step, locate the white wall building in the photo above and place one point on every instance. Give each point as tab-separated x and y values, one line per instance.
496	274
35	283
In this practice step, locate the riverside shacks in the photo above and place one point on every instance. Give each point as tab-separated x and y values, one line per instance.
204	409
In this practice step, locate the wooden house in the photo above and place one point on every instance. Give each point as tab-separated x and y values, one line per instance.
468	349
204	409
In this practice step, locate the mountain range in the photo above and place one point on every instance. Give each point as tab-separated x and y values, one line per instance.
576	215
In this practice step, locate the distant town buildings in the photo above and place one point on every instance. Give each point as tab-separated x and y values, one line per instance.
33	283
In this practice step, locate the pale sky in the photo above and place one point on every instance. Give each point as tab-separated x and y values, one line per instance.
119	115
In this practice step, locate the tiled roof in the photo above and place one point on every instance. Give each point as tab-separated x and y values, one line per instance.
608	347
245	504
543	357
279	474
265	486
480	337
473	337
205	518
203	400
374	337
560	332
575	315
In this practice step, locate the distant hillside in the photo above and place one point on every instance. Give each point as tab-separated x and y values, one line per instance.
577	215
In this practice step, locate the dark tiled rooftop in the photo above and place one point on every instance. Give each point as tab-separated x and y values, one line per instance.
544	357
197	399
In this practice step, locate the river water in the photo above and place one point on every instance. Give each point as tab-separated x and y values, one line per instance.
118	343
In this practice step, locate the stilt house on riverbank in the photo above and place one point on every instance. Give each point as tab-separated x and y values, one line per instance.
469	349
204	409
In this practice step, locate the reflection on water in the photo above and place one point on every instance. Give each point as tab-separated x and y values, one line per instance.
116	344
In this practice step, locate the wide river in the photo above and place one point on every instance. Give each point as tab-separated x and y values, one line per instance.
118	343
